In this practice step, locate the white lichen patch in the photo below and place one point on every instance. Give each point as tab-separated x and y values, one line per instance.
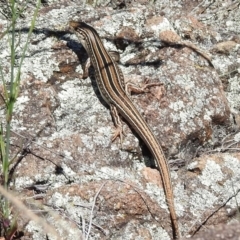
147	71
58	200
233	179
200	200
157	194
68	171
192	165
237	137
218	182
36	230
21	103
23	182
211	175
76	111
161	26
41	65
157	231
181	199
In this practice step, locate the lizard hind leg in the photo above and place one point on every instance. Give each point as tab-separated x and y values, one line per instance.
118	124
133	88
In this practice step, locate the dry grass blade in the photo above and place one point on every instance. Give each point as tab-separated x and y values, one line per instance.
28	213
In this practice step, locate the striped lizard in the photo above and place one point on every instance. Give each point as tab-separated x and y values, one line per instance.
111	85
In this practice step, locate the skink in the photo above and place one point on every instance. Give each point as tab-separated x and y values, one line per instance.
111	85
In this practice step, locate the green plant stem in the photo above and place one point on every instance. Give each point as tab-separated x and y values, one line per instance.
11	94
10	104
